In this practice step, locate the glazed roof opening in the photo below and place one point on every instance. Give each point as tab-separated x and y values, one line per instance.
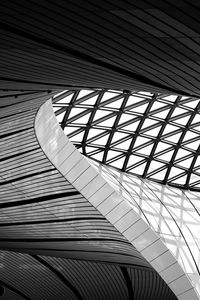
154	136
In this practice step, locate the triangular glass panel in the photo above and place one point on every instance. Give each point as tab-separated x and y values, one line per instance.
56	108
60	110
93	132
112	154
162	146
89	149
173	138
181	180
66	99
108	95
196	128
138	170
169	128
69	129
159	176
134	159
82	120
78	137
91	101
146	150
166	156
162	115
191	104
193	146
118	163
175	171
131	127
84	93
124	145
140	109
100	114
115	104
171	98
134	99
108	122
126	117
190	135
140	141
184	98
148	122
194	178
156	105
197	185
118	136
182	121
196	119
60	117
181	153
178	111
153	132
185	163
155	165
98	156
101	141
75	111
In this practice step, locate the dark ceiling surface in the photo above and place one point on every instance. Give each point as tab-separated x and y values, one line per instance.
148	45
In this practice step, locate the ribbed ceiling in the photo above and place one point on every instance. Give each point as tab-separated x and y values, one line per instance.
41	277
147	45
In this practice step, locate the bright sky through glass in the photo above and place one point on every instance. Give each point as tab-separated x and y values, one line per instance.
156	136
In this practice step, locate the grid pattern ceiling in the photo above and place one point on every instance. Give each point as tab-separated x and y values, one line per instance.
155	136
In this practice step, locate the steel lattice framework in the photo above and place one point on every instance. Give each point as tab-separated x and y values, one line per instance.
155	136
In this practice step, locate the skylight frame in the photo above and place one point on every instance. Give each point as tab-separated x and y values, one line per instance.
132	116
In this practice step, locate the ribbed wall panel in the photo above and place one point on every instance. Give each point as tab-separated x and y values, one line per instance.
10	295
102	251
94	281
26	274
154	289
42	213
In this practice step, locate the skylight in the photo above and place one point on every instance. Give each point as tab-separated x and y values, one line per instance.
155	136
